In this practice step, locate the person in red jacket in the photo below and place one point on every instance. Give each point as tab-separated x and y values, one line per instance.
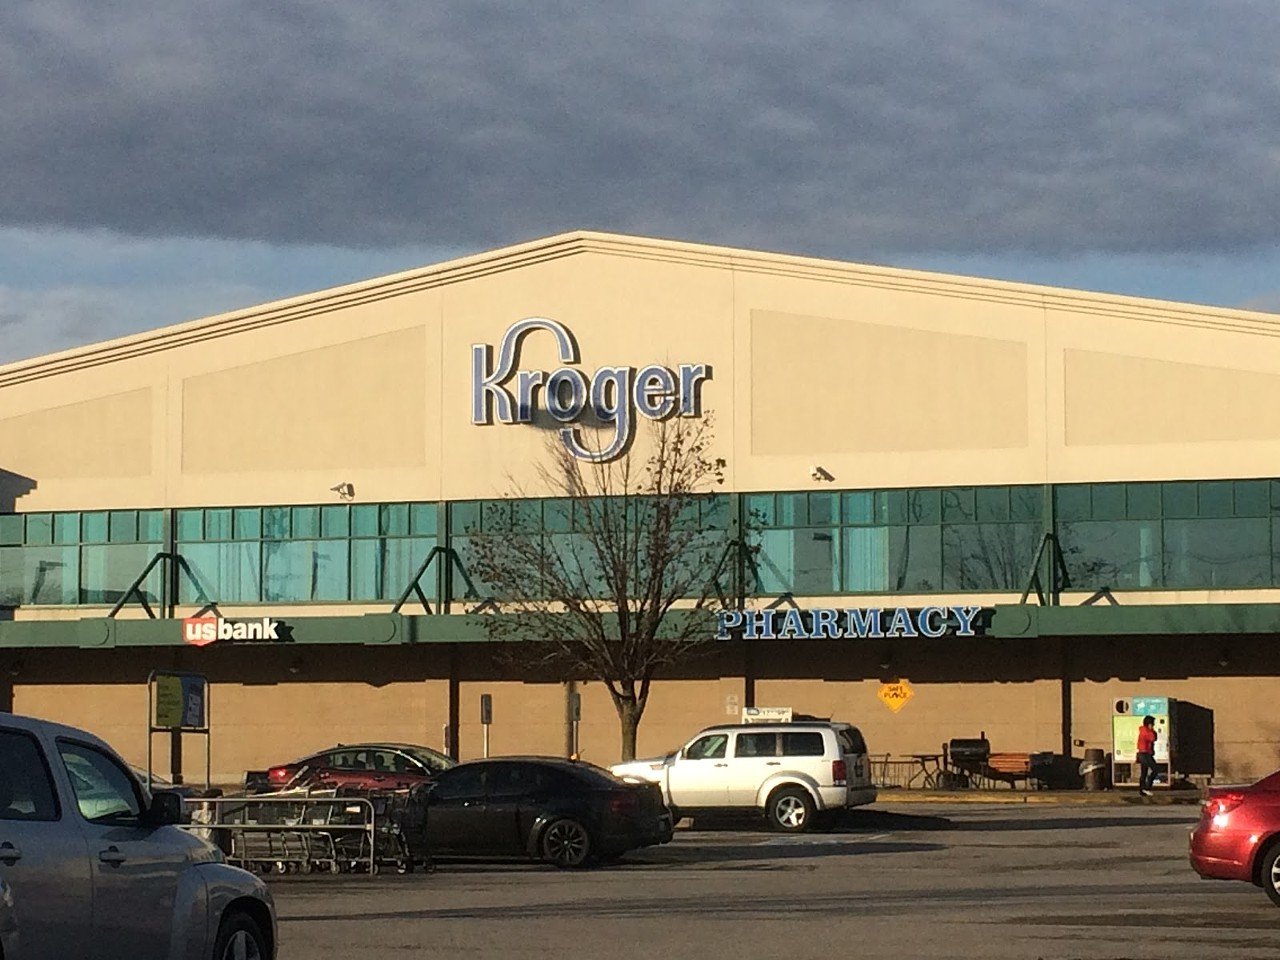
1147	737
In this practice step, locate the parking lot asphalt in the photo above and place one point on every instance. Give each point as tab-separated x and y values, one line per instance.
989	882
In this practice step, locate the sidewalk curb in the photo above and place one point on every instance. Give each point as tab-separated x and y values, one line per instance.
1109	798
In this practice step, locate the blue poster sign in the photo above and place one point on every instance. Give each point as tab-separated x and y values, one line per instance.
1151	706
194	701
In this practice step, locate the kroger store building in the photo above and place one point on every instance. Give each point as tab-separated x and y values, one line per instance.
892	440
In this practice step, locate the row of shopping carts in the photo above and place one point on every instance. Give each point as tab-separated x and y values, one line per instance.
314	831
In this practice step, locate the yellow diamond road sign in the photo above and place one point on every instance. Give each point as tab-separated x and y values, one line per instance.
895	695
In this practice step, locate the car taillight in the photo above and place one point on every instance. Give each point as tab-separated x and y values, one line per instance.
1222	804
839	773
624	803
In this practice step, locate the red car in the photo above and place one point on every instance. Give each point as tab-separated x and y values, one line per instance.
367	766
1238	837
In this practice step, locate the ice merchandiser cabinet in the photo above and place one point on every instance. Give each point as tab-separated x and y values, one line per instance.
1184	743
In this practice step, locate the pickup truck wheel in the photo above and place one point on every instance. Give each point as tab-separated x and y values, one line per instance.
790	810
239	938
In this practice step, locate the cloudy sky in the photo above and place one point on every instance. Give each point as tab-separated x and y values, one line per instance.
165	159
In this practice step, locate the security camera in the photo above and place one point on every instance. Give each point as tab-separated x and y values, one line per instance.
345	491
818	473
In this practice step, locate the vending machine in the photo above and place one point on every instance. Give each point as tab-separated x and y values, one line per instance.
1184	739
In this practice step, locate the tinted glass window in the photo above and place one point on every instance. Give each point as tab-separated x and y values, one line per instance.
433	761
460	783
710	747
1115	553
802	745
756	745
26	792
851	741
892	559
516	780
988	556
1217	553
105	793
344	760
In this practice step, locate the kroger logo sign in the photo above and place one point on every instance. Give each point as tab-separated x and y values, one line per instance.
613	396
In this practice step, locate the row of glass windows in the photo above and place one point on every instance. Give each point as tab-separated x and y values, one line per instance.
1182	500
304	571
100	526
894	507
332	522
558	515
898	559
1180	535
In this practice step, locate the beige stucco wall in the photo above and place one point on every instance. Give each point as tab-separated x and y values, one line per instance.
884	378
1016	717
257	725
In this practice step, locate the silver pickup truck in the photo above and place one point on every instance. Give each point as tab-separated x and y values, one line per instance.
93	867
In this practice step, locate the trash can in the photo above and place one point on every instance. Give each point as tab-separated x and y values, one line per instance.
1094	769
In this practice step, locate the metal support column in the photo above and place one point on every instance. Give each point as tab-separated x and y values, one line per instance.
1050	559
444	573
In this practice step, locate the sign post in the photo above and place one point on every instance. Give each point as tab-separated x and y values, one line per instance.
486	719
575	717
177	704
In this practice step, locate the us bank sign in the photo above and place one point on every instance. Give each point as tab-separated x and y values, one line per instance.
859	624
614	395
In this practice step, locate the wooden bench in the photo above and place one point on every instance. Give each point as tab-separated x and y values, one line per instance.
1008	767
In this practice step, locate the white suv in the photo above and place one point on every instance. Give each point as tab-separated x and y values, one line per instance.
794	773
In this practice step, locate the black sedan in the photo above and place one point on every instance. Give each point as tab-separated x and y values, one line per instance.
560	811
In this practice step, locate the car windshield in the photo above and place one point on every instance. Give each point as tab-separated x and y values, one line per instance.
435	762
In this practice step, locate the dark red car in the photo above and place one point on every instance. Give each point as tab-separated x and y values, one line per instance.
1238	836
366	766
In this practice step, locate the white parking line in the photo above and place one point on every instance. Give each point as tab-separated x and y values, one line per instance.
821	840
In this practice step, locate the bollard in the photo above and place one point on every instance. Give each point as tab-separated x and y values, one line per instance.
1094	769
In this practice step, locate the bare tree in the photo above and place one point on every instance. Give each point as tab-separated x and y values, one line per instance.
615	581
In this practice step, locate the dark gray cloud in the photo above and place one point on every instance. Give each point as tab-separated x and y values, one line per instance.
844	128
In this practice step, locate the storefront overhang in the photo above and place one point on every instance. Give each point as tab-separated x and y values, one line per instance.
1009	621
1014	621
374	629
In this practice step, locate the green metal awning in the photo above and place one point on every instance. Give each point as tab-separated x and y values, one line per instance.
1096	620
370	629
367	629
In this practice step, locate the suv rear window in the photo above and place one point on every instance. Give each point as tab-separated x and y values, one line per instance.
802	745
851	740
